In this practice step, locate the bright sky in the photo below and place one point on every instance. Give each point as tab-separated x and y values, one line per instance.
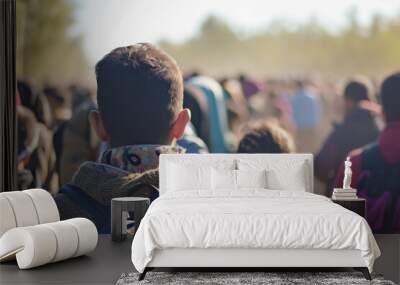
107	24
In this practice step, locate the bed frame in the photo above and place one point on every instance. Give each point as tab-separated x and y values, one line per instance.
245	259
242	259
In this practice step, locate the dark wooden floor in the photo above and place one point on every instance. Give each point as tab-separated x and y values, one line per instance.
106	264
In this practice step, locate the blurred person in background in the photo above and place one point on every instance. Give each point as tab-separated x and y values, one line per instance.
75	141
59	99
78	142
191	142
35	101
140	116
376	167
358	128
306	116
279	105
60	104
36	158
80	96
266	137
236	103
27	140
221	137
249	86
196	102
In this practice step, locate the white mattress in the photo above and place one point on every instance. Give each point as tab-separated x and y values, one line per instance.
253	219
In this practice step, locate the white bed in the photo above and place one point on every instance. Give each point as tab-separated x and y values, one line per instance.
194	224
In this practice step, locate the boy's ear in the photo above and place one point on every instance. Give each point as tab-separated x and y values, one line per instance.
97	123
180	123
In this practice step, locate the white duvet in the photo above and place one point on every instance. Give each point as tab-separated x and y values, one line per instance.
250	219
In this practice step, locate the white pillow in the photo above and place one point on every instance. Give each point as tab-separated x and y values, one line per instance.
226	179
295	181
186	174
251	178
223	179
281	175
188	177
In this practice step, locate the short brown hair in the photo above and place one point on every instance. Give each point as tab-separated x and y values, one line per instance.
390	97
266	137
139	93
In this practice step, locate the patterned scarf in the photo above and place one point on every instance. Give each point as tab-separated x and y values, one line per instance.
137	158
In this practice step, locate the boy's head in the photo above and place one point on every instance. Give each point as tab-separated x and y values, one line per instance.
266	137
356	90
390	97
140	97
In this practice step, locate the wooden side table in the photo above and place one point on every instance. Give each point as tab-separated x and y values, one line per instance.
356	205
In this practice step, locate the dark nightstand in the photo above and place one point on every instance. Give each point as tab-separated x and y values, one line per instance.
357	205
120	208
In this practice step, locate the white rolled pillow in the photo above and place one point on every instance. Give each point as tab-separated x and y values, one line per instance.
66	237
26	208
23	209
7	218
31	246
45	205
87	235
31	231
40	244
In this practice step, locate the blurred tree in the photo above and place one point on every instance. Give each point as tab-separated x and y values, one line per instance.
287	50
216	31
47	50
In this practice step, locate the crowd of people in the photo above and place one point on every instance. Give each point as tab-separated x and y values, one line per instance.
88	147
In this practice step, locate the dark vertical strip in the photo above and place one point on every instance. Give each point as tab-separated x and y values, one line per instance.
8	122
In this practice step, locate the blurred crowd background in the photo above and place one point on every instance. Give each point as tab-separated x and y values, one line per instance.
303	81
